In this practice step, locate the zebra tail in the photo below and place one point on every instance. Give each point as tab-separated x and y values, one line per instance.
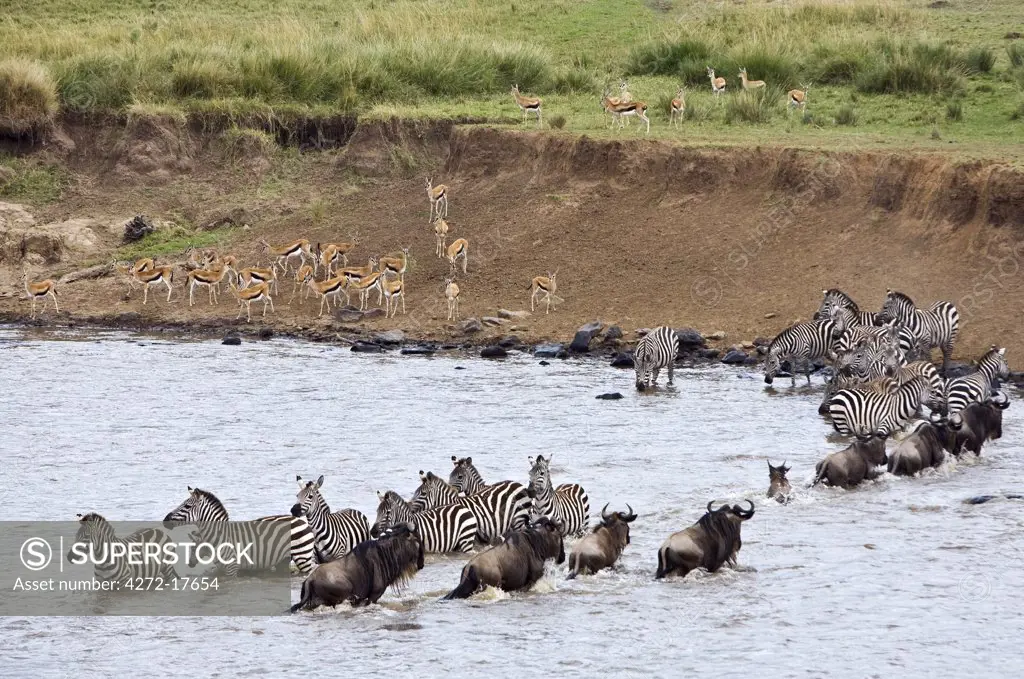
467	587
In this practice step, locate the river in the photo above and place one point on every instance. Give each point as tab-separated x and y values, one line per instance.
896	578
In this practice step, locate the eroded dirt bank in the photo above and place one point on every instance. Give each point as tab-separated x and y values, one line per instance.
641	233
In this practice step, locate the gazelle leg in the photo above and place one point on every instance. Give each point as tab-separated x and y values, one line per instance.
145	293
170	289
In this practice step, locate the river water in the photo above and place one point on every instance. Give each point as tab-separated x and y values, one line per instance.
896	578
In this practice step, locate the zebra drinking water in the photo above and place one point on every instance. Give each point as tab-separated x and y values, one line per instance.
568	503
204	508
450	528
336	533
806	341
655	350
96	531
498	508
936	327
866	414
977	386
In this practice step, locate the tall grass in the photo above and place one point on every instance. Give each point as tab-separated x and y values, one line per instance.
981	60
28	97
754	106
1015	53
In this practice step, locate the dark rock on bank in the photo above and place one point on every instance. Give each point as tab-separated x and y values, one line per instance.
493	351
581	342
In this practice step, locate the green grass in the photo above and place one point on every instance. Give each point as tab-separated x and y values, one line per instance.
239	63
172	241
27	181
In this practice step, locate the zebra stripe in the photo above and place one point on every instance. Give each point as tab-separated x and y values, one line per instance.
927	371
935	327
498	508
893	333
868	413
337	534
976	387
465	478
97	531
835	299
806	341
449	528
567	503
202	506
655	350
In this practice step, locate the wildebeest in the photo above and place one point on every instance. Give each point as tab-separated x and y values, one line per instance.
978	423
602	548
709	543
363	575
778	484
848	467
925	447
517	563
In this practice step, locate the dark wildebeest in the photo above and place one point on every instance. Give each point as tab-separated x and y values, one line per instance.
516	563
978	423
364	574
602	548
848	467
709	543
925	447
778	484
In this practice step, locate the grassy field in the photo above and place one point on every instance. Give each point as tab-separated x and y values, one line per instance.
881	74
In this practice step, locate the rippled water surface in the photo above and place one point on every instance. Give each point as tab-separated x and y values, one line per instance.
897	578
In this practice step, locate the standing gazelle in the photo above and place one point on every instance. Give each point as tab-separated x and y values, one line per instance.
396	265
44	289
459	250
392	291
633	108
302	277
254	293
798	98
451	293
365	285
210	278
545	284
283	255
527	104
440	235
717	84
158	274
437	195
749	84
332	287
677	108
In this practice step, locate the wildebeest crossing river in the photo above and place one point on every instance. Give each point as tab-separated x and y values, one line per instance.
898	577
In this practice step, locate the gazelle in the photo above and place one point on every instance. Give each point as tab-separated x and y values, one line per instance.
459	250
365	285
545	284
342	249
451	293
440	234
302	277
798	98
125	269
326	258
44	289
254	274
749	84
633	108
255	293
437	195
392	291
230	264
624	96
144	264
527	104
396	265
158	274
283	255
198	259
354	273
678	107
717	84
210	278
327	289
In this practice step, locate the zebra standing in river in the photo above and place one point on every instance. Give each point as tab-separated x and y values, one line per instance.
204	508
865	413
96	531
655	350
936	327
977	386
498	508
567	503
450	528
806	341
336	533
834	298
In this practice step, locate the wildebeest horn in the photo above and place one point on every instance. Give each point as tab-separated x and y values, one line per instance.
709	506
745	514
604	512
631	516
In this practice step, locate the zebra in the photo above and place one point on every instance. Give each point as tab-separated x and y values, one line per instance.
834	298
927	371
808	340
336	533
567	503
935	327
976	387
655	350
203	507
865	414
97	532
866	367
894	333
498	508
449	528
465	478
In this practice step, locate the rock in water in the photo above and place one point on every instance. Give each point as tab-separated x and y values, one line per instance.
689	339
136	228
367	347
389	337
418	351
734	357
231	340
266	333
623	360
547	350
493	351
613	396
581	342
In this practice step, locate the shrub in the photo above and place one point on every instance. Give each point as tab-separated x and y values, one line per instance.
752	107
846	115
697	112
557	122
573	80
954	111
981	60
808	118
98	82
669	57
28	97
1018	113
1015	52
923	68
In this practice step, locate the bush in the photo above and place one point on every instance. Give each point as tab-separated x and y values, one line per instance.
1015	52
921	68
105	83
575	79
808	118
775	70
954	111
981	60
846	115
28	97
557	122
752	107
696	112
1018	113
669	57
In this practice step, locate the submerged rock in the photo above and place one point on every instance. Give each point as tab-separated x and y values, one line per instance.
493	351
549	350
366	347
613	396
623	359
231	340
418	351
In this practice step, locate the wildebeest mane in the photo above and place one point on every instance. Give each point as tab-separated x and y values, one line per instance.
385	560
722	532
